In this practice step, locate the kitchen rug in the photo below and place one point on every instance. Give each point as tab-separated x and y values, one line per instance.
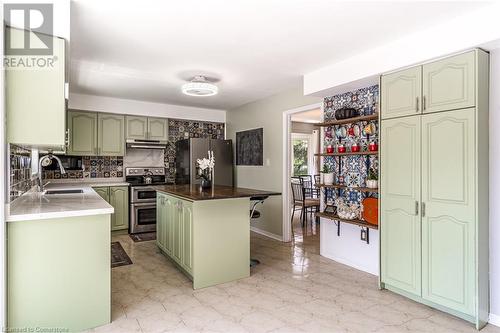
118	255
145	236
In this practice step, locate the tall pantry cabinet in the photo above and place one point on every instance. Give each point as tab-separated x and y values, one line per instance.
434	184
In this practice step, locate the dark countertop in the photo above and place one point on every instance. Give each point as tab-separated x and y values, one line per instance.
192	192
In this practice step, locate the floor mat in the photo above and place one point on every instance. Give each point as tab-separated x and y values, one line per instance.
145	236
118	255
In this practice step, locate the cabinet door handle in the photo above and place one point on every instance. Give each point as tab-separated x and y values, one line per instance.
416	207
423	209
424	102
416	105
67	137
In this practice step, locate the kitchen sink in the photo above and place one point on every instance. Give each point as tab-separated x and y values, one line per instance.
72	191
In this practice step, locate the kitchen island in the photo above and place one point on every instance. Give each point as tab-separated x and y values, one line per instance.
206	233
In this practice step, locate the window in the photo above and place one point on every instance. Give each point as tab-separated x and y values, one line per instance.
301	154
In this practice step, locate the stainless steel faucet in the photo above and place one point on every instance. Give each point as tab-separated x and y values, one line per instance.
41	163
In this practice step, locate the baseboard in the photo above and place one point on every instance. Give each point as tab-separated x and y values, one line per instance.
494	319
266	233
347	263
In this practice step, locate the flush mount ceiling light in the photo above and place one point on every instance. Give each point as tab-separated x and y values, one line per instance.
199	86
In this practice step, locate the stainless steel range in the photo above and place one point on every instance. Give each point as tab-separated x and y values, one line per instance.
143	183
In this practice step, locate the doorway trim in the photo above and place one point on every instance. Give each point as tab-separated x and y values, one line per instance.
287	126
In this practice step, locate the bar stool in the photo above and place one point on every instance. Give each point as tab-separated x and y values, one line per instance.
255	214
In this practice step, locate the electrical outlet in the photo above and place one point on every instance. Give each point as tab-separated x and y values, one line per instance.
363	235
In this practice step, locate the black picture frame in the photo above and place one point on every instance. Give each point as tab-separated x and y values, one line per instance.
250	147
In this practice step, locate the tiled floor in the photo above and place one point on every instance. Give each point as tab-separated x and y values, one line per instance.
292	290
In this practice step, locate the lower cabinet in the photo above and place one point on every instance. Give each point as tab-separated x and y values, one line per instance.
174	229
116	196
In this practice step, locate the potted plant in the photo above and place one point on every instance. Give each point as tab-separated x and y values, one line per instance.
372	179
327	175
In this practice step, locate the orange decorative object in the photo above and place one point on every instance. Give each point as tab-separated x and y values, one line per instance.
370	210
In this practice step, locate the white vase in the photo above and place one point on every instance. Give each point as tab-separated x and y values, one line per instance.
370	183
328	178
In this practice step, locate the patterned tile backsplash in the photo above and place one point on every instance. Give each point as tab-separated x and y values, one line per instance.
179	129
352	170
20	178
92	167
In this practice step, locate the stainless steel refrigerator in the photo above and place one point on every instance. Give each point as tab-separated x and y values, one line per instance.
189	150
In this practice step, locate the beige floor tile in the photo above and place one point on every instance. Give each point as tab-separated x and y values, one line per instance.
294	289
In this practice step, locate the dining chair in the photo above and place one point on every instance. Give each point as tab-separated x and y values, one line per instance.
300	202
307	182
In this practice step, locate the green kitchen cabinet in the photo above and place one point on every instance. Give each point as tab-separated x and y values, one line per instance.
400	190
146	128
103	192
158	129
59	274
448	216
118	198
401	93
160	216
177	230
111	134
136	127
174	229
35	99
449	84
434	192
82	133
187	235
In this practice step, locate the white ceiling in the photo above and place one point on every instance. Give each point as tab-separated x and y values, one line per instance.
311	116
145	50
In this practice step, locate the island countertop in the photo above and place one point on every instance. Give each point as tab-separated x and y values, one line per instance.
193	192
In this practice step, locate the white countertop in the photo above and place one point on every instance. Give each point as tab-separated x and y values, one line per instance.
35	206
92	182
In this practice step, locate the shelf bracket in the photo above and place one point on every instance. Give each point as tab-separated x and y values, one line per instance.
338	228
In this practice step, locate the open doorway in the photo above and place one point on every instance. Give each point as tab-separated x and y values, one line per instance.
301	170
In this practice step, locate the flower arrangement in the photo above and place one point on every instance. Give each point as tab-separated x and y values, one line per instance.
205	168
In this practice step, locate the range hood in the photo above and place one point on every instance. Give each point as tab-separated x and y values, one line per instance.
146	144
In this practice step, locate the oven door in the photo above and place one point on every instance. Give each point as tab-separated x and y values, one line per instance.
143	194
142	217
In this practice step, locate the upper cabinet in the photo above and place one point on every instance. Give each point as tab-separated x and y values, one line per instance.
35	99
145	128
111	134
82	133
91	133
136	127
401	93
449	84
158	129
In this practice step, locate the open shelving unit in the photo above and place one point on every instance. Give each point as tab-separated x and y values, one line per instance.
368	152
331	216
353	221
348	120
360	189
